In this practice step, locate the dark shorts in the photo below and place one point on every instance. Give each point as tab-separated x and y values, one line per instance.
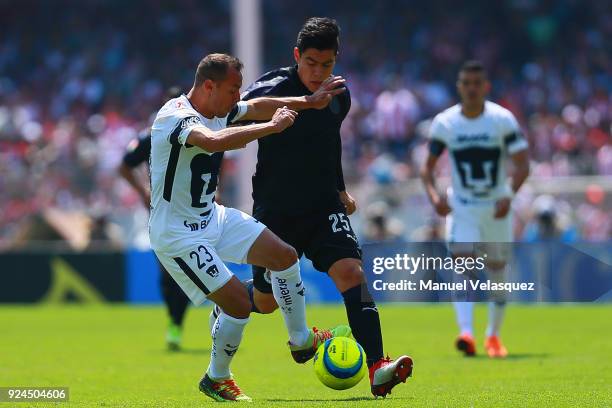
324	237
169	288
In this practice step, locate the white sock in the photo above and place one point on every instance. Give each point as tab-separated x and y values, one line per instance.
465	315
226	336
288	291
497	306
496	317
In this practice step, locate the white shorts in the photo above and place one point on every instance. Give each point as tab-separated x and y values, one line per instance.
196	259
471	223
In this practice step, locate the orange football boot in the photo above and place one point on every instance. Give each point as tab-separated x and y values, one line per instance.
495	348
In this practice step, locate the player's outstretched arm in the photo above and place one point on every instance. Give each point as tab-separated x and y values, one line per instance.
264	107
237	137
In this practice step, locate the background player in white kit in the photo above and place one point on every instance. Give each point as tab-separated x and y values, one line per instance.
192	235
480	136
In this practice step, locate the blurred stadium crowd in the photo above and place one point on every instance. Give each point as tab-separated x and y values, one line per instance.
80	80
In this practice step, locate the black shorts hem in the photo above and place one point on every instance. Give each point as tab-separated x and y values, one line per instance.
323	263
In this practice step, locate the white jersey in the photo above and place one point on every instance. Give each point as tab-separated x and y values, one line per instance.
183	177
478	149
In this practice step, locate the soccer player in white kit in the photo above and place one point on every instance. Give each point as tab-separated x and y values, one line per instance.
192	235
480	136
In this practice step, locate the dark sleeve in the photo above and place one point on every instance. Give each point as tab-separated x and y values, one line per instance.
436	147
341	186
346	107
138	151
232	114
251	93
271	83
259	89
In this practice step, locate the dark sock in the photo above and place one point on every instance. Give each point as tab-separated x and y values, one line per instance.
249	286
364	321
177	308
176	300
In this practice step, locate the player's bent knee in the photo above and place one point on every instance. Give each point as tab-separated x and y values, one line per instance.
284	258
347	273
233	299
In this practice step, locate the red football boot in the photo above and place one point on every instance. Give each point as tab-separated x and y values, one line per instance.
386	374
466	344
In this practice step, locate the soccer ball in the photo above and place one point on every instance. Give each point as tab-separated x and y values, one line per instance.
340	363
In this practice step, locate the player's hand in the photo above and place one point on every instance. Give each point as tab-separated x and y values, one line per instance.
502	207
283	118
349	202
441	206
328	89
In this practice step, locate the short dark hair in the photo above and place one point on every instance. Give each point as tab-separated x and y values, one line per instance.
320	33
215	67
473	66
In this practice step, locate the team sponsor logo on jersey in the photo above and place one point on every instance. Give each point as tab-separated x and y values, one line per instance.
190	121
193	226
477	137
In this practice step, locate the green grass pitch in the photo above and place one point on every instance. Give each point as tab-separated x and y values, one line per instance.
115	356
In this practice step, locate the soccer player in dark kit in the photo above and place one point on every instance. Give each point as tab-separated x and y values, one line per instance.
137	153
299	193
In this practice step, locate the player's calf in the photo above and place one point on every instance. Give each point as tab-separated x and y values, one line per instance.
264	302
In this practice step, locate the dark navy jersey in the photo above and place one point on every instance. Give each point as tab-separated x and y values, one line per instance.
138	150
299	171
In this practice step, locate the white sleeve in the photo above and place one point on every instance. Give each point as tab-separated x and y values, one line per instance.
238	112
185	125
513	136
437	130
